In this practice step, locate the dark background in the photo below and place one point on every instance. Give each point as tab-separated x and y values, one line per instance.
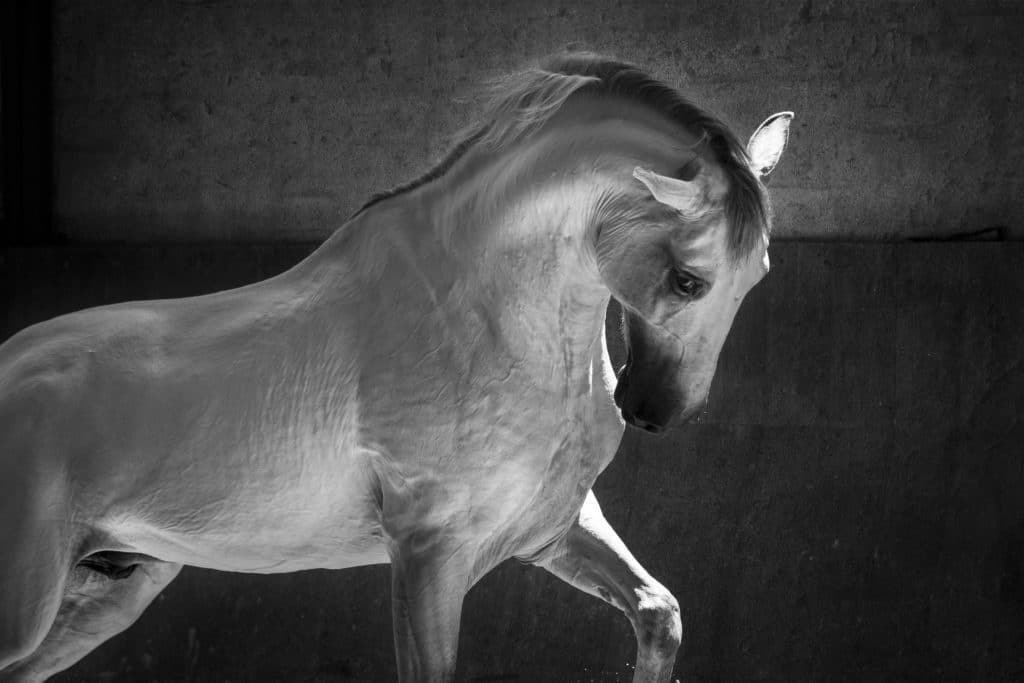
850	508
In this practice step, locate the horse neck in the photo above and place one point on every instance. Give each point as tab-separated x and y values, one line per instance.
483	241
519	224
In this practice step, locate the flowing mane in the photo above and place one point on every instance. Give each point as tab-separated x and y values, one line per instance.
521	102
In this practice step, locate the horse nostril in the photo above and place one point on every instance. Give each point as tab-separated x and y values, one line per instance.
641	423
648	427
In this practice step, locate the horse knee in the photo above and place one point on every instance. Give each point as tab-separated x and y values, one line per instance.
659	629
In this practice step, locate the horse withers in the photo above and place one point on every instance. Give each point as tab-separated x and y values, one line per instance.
430	388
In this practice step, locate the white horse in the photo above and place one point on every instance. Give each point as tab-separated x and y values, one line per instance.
430	388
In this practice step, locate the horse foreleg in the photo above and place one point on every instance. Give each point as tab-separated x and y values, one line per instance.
428	585
94	608
593	558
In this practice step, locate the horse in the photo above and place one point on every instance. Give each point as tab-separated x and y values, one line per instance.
431	388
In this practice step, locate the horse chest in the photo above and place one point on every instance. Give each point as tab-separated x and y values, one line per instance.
516	481
501	450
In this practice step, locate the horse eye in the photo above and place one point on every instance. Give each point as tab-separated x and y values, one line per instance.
687	285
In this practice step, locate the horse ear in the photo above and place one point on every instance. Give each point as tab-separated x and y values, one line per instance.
685	196
767	142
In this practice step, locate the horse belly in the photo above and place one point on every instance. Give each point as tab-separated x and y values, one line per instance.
206	476
185	435
266	521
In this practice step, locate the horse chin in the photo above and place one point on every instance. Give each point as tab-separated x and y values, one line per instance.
644	414
689	414
654	428
664	417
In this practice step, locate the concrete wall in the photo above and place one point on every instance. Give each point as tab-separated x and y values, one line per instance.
849	510
237	121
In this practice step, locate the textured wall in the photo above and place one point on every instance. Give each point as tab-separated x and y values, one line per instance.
252	121
849	510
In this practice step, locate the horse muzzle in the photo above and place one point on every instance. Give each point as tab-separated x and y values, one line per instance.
650	405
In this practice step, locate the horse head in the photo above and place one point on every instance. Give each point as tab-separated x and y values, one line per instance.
687	244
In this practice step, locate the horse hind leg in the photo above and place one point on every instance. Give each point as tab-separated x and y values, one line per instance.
35	546
31	583
105	594
53	608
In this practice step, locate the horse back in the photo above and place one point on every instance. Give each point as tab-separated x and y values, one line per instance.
158	379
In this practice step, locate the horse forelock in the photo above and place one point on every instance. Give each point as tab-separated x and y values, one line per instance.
520	103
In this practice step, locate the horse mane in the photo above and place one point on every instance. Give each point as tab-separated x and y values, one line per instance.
521	102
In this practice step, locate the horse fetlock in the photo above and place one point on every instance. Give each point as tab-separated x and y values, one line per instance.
659	629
